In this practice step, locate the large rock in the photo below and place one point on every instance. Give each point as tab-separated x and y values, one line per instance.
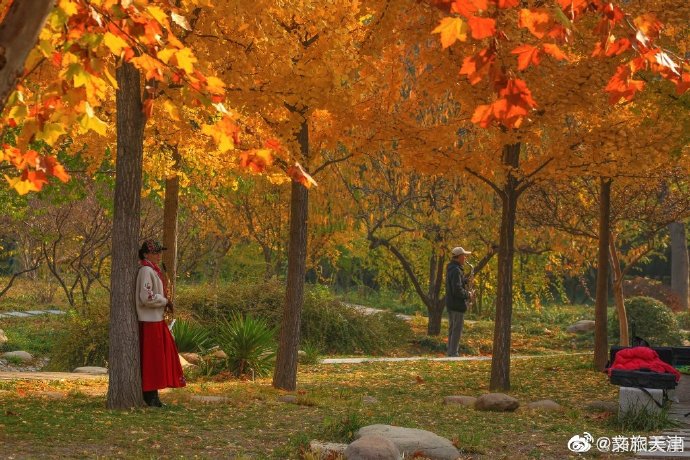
372	447
460	400
91	370
3	337
184	363
584	325
219	354
497	402
411	441
545	405
192	358
20	355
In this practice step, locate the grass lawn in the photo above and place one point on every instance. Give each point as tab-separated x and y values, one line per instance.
68	419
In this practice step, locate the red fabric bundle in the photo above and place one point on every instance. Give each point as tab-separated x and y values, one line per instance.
637	358
160	363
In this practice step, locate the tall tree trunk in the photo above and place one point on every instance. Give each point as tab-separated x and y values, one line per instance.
436	303
170	218
601	343
500	362
285	375
124	385
679	262
618	298
18	35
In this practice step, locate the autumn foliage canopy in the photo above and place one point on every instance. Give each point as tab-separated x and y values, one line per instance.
510	36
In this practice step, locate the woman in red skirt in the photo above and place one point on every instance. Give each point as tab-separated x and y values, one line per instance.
160	363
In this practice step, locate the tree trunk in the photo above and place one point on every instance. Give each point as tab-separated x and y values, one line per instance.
124	385
436	304
618	298
285	375
18	35
500	362
170	213
679	262
602	296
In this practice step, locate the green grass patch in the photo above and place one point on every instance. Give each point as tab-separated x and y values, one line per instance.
254	424
35	334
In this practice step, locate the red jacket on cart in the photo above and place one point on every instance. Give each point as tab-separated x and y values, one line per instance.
641	358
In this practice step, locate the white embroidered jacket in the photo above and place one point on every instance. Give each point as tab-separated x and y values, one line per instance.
150	299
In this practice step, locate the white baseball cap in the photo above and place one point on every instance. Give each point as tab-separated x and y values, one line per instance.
459	251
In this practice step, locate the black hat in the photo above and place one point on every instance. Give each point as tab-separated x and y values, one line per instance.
151	247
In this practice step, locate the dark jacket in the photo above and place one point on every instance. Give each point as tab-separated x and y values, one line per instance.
456	287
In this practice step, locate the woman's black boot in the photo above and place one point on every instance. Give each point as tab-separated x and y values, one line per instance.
150	397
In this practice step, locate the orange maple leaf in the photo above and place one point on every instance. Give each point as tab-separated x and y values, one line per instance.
478	65
649	25
507	3
464	7
537	20
622	86
527	54
298	174
256	160
482	27
451	30
555	52
683	83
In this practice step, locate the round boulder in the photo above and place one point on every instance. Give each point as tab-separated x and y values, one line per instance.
413	442
545	405
20	355
460	400
584	325
496	402
372	447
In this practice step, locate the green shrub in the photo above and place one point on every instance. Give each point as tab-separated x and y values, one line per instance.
190	337
312	353
83	342
249	343
683	320
649	319
325	321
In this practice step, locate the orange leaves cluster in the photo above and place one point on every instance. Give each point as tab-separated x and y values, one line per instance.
35	169
513	104
552	27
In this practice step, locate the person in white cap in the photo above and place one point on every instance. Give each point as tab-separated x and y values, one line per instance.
457	294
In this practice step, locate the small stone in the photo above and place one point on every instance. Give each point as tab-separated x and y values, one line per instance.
460	400
21	355
686	343
210	399
288	399
369	400
497	402
372	447
192	358
3	337
545	405
219	354
584	325
184	363
327	450
91	370
602	406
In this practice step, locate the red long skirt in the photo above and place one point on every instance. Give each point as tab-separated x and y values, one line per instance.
160	363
